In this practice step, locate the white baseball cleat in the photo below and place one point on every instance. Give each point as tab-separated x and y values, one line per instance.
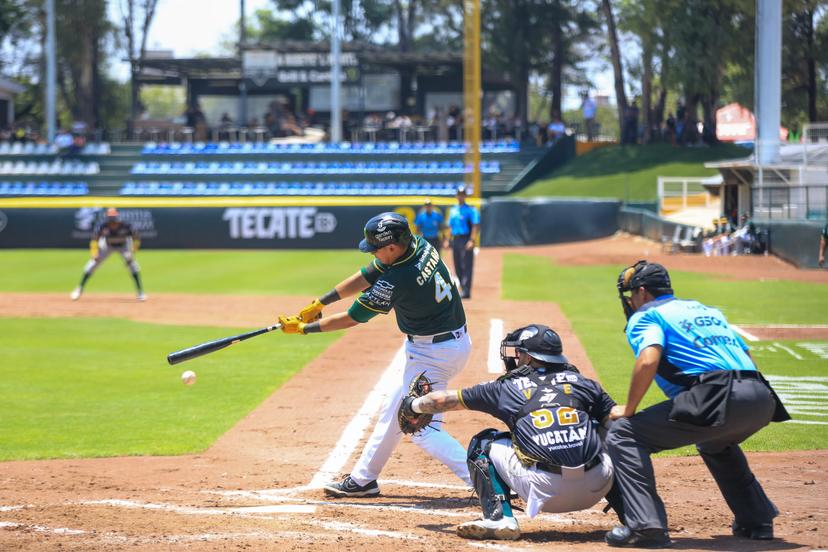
505	528
76	293
141	296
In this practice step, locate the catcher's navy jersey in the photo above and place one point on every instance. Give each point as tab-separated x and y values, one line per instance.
553	431
694	338
419	289
115	234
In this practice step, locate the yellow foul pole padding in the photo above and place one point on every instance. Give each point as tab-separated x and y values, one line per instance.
472	93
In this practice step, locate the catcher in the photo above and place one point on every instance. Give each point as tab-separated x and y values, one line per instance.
553	456
112	235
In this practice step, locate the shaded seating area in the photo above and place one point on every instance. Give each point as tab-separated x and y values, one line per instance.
32	148
44	189
293	168
56	166
288	188
238	148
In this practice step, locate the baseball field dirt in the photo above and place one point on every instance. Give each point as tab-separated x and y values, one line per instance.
256	487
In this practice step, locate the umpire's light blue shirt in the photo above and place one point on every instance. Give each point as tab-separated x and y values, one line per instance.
694	337
429	223
461	219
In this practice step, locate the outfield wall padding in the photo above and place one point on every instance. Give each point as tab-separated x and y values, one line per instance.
542	221
794	241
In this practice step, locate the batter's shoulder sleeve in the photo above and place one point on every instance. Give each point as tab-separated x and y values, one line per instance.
373	271
378	299
483	397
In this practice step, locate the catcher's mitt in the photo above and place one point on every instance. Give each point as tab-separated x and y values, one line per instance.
411	422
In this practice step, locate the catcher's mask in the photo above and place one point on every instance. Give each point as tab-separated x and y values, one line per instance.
651	276
385	229
537	341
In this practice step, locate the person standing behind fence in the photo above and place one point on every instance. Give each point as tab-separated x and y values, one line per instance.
823	244
430	225
588	110
464	221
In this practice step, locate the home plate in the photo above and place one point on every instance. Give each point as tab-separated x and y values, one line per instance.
274	509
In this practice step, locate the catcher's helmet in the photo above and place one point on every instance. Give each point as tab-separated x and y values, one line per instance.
536	340
385	229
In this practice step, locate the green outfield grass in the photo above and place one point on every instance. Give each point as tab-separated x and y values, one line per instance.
102	387
629	173
175	271
589	299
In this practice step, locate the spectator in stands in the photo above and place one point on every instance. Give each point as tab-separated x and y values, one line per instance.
823	244
670	130
199	123
63	141
430	225
454	122
588	110
556	129
794	134
681	121
464	221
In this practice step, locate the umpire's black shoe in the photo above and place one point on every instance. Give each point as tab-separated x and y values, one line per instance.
642	538
760	531
349	487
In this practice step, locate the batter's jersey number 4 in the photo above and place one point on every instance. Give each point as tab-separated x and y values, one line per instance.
441	288
544	417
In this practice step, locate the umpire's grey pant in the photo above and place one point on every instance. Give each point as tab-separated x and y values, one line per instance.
631	441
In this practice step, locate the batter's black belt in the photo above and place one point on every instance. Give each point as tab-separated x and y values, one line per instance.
439	338
554	468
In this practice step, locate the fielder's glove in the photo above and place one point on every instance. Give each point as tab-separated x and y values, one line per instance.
312	312
411	422
292	324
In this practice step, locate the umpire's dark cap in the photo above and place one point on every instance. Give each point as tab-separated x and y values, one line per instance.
541	343
385	229
650	276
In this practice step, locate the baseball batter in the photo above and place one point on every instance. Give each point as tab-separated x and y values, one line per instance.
554	457
408	277
716	399
112	234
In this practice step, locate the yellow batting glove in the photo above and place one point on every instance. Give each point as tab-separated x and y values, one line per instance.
93	248
136	245
312	312
292	324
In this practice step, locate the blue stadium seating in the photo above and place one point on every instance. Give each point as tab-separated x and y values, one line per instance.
43	188
286	188
252	167
235	148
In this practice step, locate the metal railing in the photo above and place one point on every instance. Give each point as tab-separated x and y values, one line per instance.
679	193
790	202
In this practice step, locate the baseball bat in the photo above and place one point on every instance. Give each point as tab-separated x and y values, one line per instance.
215	345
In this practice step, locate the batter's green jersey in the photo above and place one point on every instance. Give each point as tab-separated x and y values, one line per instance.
419	289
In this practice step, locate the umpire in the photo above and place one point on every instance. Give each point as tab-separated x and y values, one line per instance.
463	223
717	399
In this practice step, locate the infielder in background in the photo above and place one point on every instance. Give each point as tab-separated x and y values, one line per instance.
717	399
464	221
429	223
554	457
112	234
408	276
823	244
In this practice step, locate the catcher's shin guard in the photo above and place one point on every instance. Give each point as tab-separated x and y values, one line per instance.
490	487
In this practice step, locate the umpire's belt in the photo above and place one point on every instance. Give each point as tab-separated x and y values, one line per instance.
554	468
439	338
737	374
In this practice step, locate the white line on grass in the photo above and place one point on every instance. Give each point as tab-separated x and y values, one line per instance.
789	350
495	336
352	435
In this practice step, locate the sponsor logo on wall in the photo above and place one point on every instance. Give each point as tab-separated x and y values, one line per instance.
88	218
284	223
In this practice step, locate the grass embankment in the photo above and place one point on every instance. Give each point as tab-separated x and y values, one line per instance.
589	299
629	173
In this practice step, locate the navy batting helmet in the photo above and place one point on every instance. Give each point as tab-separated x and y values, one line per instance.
385	229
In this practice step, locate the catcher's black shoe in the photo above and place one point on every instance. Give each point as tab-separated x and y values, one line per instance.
642	538
349	487
759	531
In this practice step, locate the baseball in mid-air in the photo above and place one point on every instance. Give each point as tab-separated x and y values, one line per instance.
188	377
